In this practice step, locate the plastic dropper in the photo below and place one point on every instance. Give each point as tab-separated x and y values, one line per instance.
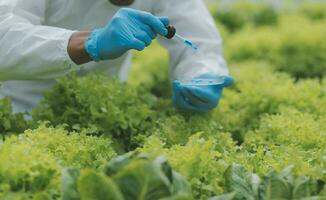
172	33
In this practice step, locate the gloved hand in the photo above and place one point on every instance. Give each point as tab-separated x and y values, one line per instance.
199	98
128	29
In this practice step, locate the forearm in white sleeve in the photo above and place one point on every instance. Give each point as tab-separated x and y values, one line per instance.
29	50
194	22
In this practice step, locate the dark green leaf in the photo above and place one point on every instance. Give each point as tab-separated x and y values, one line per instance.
241	181
94	186
229	196
118	163
275	186
69	184
180	185
178	197
142	180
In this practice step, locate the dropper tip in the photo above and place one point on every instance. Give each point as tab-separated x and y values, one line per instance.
190	44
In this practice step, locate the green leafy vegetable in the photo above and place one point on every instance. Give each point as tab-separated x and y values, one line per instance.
266	139
141	178
10	123
127	177
99	105
69	184
92	185
283	185
32	163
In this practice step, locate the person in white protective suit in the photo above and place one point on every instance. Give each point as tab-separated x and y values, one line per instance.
41	40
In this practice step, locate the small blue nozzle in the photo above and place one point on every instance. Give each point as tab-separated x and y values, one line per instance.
172	33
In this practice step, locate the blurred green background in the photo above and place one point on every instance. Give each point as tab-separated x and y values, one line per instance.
290	36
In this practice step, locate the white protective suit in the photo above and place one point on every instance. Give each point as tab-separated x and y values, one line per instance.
34	35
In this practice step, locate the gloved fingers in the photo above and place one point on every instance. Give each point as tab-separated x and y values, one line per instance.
154	22
187	106
182	101
228	80
197	101
149	31
176	88
144	37
137	44
165	20
191	99
199	93
179	98
208	95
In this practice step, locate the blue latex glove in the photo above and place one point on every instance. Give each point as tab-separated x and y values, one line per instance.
199	98
128	29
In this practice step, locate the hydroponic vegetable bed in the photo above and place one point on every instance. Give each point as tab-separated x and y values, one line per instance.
92	138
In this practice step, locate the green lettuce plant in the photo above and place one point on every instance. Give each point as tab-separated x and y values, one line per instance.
246	185
31	163
10	123
96	103
127	177
297	50
240	14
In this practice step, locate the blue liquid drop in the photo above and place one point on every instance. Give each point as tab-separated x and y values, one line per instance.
191	45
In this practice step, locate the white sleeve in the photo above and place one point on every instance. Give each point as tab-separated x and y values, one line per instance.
194	22
29	50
